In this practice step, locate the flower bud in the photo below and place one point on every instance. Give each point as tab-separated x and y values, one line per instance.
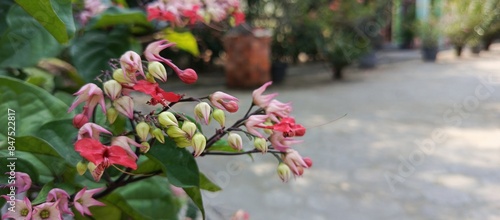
188	76
111	114
189	128
202	112
167	119
112	88
158	134
270	124
235	141
150	78
142	130
79	120
119	77
308	161
125	105
81	167
182	142
144	147
284	172
91	166
157	70
199	142
260	144
219	116
175	132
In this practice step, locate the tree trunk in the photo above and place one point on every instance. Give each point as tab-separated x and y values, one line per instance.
458	50
337	72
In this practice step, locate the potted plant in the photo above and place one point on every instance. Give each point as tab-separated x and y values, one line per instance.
429	36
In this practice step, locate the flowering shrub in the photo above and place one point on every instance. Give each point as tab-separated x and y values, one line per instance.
116	148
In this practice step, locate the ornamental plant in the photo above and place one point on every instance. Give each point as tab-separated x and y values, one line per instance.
111	161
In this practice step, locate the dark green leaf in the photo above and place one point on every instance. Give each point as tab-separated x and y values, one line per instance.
25	41
33	107
116	16
148	199
92	51
44	11
42	195
177	163
60	135
207	184
195	194
148	166
108	212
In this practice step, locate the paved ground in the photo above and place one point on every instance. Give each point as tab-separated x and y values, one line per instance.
420	141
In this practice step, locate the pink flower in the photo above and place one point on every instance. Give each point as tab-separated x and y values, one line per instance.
83	200
47	211
288	127
22	183
263	100
62	198
254	122
131	63
125	105
279	109
22	210
125	142
224	101
91	130
294	161
92	95
152	53
240	215
280	142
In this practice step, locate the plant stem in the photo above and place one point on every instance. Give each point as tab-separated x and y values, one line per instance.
239	153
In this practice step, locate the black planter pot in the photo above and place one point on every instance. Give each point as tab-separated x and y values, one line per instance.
278	72
475	49
368	60
429	54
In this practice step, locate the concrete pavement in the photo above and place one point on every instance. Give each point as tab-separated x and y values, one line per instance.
420	141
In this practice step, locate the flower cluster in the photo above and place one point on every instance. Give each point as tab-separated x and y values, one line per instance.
270	126
55	206
180	13
91	9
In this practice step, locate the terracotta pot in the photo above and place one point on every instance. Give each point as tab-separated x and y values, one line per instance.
248	61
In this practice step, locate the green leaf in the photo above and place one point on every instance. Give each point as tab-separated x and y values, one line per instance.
222	145
184	41
108	212
35	145
60	135
178	163
42	195
25	41
92	51
207	184
116	16
148	166
33	107
195	194
44	11
147	199
40	78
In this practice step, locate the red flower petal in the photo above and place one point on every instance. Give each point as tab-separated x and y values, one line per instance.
145	87
90	149
118	155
